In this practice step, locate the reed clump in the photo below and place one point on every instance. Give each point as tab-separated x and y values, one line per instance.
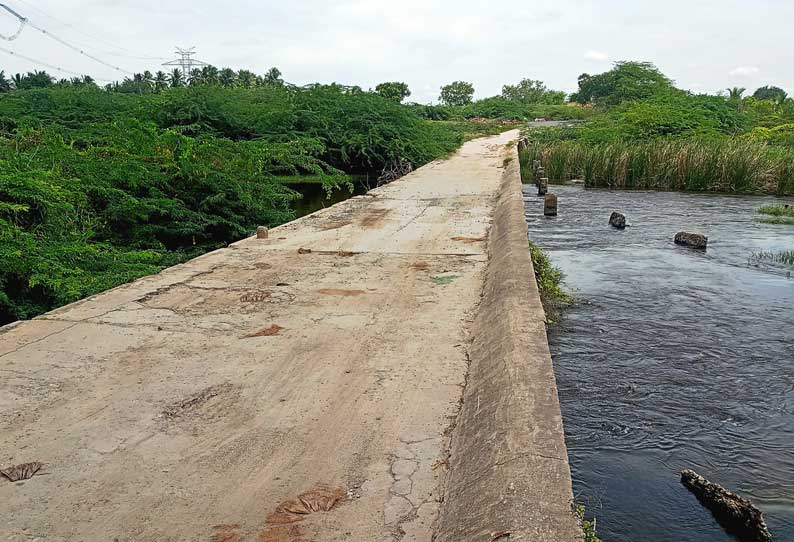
722	165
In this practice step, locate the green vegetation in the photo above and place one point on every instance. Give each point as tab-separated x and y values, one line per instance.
777	214
394	91
98	188
722	165
588	526
643	133
457	93
549	279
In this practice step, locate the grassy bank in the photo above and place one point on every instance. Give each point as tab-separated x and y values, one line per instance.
725	165
549	279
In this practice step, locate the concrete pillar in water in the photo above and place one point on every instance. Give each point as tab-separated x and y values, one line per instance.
550	205
261	232
539	174
543	187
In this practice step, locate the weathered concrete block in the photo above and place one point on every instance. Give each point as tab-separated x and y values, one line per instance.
261	232
550	205
543	186
691	240
617	220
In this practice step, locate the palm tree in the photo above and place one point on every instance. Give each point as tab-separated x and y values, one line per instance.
209	75
5	83
148	79
160	81
176	79
272	77
18	80
227	77
246	78
195	78
736	93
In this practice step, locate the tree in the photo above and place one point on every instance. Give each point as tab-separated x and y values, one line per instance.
394	91
246	78
176	79
530	91
272	77
457	93
625	82
5	83
34	79
736	93
160	81
227	77
210	76
776	94
195	77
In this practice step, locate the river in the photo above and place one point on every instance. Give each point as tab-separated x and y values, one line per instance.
672	359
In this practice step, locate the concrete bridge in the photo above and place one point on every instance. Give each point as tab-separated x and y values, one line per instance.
376	371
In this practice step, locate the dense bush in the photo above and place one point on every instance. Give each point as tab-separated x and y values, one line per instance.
98	188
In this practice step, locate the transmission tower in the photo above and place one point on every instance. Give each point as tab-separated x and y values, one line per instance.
186	61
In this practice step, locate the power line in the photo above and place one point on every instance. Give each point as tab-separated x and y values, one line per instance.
63	42
22	22
129	53
47	65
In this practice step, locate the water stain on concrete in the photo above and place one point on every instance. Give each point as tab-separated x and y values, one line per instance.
280	524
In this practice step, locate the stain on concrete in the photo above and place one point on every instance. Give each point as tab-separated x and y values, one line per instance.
271	331
340	292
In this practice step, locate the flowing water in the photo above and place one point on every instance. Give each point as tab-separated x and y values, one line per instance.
672	359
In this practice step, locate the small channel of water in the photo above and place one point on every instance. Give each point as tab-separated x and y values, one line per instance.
672	359
315	197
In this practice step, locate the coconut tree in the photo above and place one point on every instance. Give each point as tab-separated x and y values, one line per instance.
176	79
160	81
5	83
272	77
227	77
246	78
736	93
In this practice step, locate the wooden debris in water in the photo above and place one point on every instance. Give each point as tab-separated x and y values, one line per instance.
736	514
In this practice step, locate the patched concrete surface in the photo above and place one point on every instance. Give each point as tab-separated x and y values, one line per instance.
299	388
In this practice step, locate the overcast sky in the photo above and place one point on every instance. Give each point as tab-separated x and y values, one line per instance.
704	45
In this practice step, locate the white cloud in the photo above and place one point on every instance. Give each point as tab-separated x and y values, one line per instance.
599	56
744	71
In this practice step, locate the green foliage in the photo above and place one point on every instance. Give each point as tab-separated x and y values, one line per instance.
625	82
98	188
501	108
673	114
457	93
777	214
776	94
529	91
588	526
394	91
549	280
722	165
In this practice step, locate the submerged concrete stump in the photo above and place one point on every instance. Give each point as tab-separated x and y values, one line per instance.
691	240
543	186
550	205
617	220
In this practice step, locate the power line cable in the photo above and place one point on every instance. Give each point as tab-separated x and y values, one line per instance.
64	42
127	52
22	22
47	65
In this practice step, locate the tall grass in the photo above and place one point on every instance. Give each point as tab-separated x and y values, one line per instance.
732	166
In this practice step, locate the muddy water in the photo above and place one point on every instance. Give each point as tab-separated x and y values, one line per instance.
672	359
314	197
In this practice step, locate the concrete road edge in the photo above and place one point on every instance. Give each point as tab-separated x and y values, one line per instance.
509	469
